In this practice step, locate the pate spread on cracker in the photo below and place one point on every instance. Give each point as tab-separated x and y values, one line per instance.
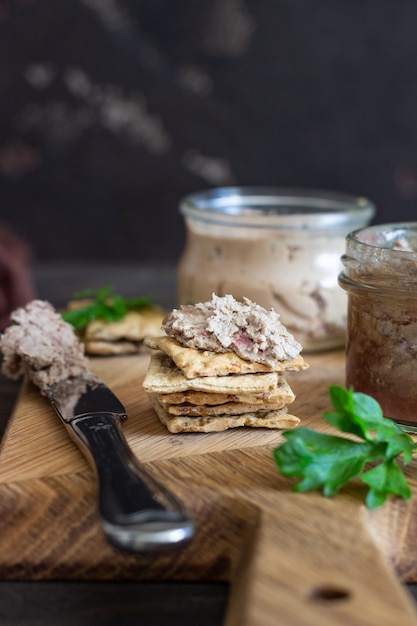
193	362
222	365
226	325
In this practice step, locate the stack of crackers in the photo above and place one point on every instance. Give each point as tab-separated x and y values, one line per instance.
201	391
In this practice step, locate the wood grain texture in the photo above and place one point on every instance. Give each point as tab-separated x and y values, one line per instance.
294	559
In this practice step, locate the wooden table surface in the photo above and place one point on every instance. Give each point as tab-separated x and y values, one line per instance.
106	603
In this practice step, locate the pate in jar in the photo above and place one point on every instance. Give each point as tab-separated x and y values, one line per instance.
279	247
380	277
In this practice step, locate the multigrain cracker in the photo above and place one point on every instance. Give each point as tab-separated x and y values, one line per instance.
283	392
229	408
133	327
125	336
262	419
197	363
109	348
164	377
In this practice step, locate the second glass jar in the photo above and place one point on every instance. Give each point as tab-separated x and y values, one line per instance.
380	277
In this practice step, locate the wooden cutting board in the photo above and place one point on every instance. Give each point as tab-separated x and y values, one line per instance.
292	559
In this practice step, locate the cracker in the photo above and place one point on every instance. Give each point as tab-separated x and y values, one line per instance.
109	348
133	327
124	336
229	408
283	393
164	377
200	398
197	363
262	419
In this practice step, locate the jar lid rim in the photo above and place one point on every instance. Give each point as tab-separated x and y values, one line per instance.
389	234
277	206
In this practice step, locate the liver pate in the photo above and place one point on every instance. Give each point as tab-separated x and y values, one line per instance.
40	345
226	325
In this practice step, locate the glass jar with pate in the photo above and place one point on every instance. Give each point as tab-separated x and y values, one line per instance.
279	247
380	278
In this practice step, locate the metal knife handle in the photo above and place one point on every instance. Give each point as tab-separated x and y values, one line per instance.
137	513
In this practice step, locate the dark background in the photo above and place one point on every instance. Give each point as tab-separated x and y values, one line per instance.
112	110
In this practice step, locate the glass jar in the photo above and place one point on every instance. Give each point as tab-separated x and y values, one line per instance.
279	247
380	277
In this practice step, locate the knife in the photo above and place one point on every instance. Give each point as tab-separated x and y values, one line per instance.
137	513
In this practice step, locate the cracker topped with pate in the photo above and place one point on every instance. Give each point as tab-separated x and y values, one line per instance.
221	365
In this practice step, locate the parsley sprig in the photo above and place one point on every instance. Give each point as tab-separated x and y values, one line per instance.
102	304
329	462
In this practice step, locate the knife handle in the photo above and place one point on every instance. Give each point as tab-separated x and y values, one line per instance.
137	513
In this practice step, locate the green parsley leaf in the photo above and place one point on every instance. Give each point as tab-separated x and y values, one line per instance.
105	305
329	462
383	480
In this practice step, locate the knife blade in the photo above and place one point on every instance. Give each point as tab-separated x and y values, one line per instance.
137	513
